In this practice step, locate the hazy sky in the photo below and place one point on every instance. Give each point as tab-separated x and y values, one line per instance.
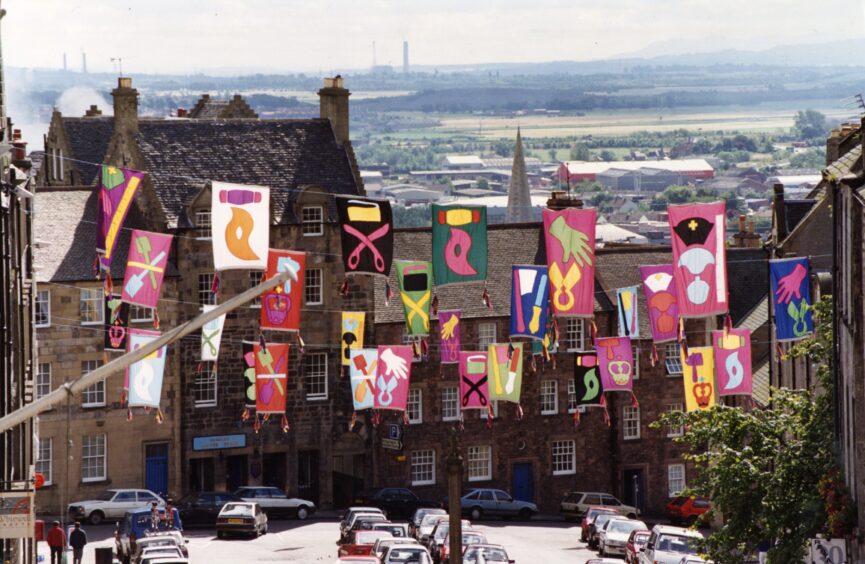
312	35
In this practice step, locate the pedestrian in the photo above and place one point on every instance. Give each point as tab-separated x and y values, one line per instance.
56	542
77	540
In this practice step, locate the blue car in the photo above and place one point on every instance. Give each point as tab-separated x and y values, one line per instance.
488	502
137	524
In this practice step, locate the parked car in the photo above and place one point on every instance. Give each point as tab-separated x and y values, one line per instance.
396	502
486	554
636	542
416	518
487	502
241	517
397	530
360	542
438	534
351	511
588	517
575	504
400	554
427	525
668	545
112	505
202	508
137	524
362	522
468	538
166	538
595	527
170	560
157	553
382	543
275	502
687	510
615	534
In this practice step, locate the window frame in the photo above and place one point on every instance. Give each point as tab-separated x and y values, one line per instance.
315	226
38	306
104	456
635	352
558	458
137	309
255	278
572	396
205	382
99	300
201	224
425	462
455	400
309	287
675	358
484	337
39	460
628	433
205	295
579	339
545	395
39	375
679	431
307	385
473	462
418	417
679	467
97	389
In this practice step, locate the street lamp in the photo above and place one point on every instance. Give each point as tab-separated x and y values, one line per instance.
455	471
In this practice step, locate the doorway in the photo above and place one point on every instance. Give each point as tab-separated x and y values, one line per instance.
523	482
634	487
348	473
201	475
274	470
236	472
307	475
156	468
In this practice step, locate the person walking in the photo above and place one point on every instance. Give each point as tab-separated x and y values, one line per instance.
77	540
56	542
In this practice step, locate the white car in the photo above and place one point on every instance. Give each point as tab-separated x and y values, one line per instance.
351	512
241	517
668	545
148	555
160	540
381	544
613	538
112	505
275	502
427	524
401	554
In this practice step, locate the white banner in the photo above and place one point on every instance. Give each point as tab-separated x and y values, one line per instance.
825	551
16	515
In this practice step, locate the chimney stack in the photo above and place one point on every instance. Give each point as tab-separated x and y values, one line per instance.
94	111
125	105
333	100
779	213
746	237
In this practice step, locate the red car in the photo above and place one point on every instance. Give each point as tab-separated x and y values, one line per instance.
687	510
360	543
636	541
589	515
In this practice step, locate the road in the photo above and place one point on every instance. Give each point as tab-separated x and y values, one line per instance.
314	541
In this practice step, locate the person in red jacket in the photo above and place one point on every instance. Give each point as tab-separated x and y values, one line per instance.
56	542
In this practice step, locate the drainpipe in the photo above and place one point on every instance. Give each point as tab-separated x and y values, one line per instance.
836	375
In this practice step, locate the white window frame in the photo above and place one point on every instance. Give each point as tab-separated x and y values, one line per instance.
87	298
414	406
322	360
43	464
255	278
140	314
485	413
679	430
575	334
563	457
92	396
311	285
415	342
203	225
630	415
676	477
635	351
43	379
423	467
205	285
312	226
42	305
572	396
487	334
86	446
549	397
673	359
447	413
479	463
205	387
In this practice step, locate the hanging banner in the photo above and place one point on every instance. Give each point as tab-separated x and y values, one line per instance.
248	348
280	306
366	230
17	517
211	335
474	390
530	291
363	368
570	242
615	363
271	377
145	267
117	188
459	244
629	322
699	258
116	324
393	374
733	362
240	217
415	290
587	379
792	298
660	291
505	371
352	334
449	326
699	375
144	377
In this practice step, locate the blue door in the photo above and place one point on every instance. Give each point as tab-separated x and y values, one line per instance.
156	468
523	485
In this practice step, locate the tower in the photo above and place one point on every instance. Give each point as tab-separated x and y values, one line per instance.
405	57
64	61
83	62
519	196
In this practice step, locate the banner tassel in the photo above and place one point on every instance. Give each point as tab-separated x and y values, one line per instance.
655	358
109	285
405	418
129	414
123	398
376	418
434	305
519	412
160	417
577	417
266	418
634	402
534	364
490	416
485	297
728	324
388	293
262	343
553	362
301	346
155	318
285	425
245	415
461	424
606	411
104	357
343	290
594	332
781	356
510	351
200	366
96	269
353	421
415	350
214	287
257	425
147	410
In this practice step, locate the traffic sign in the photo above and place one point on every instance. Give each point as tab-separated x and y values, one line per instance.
391	444
394	431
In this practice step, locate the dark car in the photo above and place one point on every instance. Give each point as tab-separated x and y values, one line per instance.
394	501
201	509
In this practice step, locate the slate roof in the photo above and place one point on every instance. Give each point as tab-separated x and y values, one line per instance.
747	280
758	316
89	137
760	384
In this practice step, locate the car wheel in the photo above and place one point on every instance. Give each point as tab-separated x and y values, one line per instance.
265	529
603	551
525	514
302	512
257	532
475	513
96	518
219	534
631	515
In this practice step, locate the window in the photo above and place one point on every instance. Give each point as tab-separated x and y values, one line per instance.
630	422
91	306
673	359
484	413
549	397
415	342
675	479
312	286
43	308
43	459
255	277
312	218
486	335
480	463
204	386
94	396
575	334
414	407
564	458
43	379
572	395
203	225
315	375
635	350
450	403
205	285
674	431
140	314
93	458
423	467
56	164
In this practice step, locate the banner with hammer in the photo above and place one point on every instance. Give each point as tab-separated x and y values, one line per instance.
145	267
271	378
569	235
363	368
505	371
529	299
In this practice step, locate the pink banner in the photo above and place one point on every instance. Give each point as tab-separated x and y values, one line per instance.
394	372
474	389
145	267
733	362
449	331
570	243
699	258
616	363
659	288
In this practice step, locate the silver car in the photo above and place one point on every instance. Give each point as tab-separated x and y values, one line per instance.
613	537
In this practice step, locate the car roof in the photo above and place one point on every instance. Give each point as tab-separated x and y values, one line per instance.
140	510
671	530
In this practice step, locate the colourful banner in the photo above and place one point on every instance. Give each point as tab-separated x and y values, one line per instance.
587	379
474	390
240	216
791	295
733	362
145	267
459	244
530	291
699	258
366	229
280	307
145	376
415	290
352	334
615	363
699	376
271	377
505	371
248	349
363	366
570	242
629	321
393	375
117	188
660	291
116	324
211	335
449	327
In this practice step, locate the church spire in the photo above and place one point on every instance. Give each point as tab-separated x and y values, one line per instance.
519	197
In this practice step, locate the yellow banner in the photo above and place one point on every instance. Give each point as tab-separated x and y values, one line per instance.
352	334
698	371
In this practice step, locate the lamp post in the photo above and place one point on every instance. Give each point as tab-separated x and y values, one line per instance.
455	471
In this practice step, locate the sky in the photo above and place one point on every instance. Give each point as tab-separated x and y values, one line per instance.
175	36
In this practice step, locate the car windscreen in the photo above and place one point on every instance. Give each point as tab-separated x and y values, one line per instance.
489	554
369	537
624	526
591	513
677	544
106	496
236	509
395	530
408	556
441	532
473	539
602	518
430	520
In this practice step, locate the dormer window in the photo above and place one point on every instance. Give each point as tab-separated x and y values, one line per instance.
312	218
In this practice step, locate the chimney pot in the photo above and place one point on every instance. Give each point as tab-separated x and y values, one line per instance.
333	105
741	223
124	82
181	112
16	134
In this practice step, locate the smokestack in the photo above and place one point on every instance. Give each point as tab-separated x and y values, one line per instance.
405	57
83	62
333	105
64	62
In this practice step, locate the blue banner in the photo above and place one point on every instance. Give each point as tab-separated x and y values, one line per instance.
791	296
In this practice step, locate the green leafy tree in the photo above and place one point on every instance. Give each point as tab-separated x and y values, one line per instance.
412	216
809	159
580	152
810	124
678	194
607	155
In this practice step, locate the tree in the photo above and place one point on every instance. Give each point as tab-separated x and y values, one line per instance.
809	159
607	155
412	216
809	124
678	194
580	152
763	468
